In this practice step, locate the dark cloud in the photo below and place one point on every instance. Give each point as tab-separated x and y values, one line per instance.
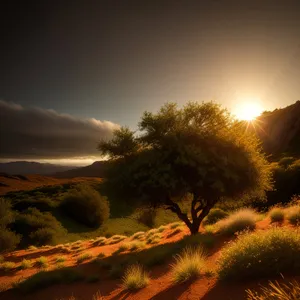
41	133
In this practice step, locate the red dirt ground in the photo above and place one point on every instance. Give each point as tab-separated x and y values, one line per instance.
159	288
35	181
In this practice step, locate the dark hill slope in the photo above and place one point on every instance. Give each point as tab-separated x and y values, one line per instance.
96	169
280	130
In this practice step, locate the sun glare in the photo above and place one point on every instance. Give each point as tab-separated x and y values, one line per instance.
248	111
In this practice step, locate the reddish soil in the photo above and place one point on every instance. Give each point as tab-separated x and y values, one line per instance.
13	183
159	288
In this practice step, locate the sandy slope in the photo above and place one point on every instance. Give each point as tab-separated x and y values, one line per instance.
160	286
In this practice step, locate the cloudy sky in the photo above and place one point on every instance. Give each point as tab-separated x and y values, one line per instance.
72	71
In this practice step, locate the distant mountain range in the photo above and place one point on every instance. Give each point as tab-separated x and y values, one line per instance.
26	168
97	169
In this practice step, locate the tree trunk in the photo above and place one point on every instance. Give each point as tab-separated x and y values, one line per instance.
194	229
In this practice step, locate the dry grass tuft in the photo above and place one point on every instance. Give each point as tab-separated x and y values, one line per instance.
188	265
135	278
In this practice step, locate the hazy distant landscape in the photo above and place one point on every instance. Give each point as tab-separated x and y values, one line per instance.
150	150
77	226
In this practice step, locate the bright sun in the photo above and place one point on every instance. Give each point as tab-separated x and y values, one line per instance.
248	110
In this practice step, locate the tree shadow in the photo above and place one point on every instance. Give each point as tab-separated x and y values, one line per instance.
173	291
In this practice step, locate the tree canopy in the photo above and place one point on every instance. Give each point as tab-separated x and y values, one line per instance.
197	150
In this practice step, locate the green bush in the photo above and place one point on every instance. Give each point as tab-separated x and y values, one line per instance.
6	214
241	220
44	236
38	228
86	206
276	214
261	254
8	240
215	215
147	217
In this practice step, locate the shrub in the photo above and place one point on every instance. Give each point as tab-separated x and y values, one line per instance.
86	206
276	291
260	254
8	265
31	248
26	264
135	278
136	245
243	219
38	227
276	214
60	259
42	262
8	240
138	235
215	215
175	225
293	215
162	228
188	265
206	241
84	257
6	214
44	236
147	217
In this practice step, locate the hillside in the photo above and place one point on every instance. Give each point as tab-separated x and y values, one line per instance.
280	130
96	169
28	167
11	183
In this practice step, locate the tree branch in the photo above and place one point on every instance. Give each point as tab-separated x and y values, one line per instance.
174	207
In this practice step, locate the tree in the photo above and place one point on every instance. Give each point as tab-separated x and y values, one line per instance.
197	153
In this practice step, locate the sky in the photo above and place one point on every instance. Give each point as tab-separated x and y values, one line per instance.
73	71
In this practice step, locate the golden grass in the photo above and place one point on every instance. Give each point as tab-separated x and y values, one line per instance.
188	265
135	278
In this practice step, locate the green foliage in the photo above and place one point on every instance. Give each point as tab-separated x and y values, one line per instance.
276	291
8	240
6	214
26	264
123	143
43	236
42	262
135	278
60	259
261	254
38	228
197	150
188	265
286	174
7	266
84	257
241	220
86	206
215	215
147	216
